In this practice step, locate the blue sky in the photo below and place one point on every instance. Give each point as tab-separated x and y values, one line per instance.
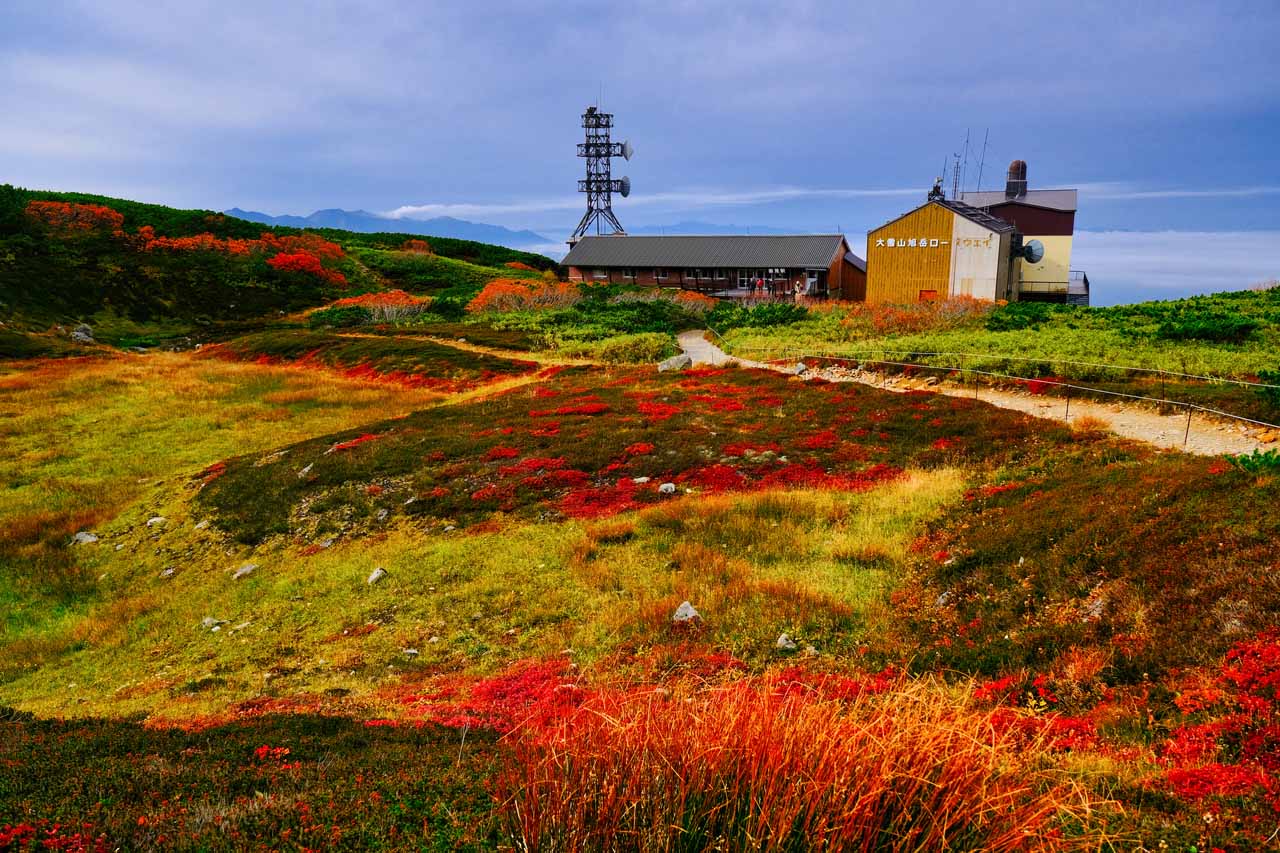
803	116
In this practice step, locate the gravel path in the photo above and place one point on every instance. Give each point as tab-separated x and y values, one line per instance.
1208	437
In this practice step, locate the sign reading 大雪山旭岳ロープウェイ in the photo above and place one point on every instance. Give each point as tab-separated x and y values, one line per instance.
926	243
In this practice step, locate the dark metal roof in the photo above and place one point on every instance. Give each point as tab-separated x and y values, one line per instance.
969	212
973	214
858	262
1064	200
812	250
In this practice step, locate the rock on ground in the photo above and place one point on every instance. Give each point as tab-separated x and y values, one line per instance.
685	613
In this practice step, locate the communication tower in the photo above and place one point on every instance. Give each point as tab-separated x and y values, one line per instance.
599	184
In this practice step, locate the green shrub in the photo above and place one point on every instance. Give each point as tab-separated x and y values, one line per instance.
1219	327
729	316
1271	395
1019	315
623	349
1257	462
345	317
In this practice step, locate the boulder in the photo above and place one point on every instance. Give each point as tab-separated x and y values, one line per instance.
168	573
203	525
377	575
667	489
676	362
639	481
799	368
685	614
82	334
785	643
211	624
244	571
157	521
84	538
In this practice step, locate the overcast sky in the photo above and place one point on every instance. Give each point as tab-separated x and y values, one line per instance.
805	116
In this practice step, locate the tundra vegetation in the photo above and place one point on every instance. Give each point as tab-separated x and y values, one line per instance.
339	580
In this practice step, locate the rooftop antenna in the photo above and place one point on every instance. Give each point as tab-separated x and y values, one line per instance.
983	161
955	179
965	170
599	184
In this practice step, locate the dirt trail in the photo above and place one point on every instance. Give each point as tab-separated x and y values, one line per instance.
1207	436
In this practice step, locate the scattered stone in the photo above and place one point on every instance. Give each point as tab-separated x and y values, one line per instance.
676	362
84	538
82	334
377	575
240	627
810	652
156	521
325	543
448	528
204	525
685	614
410	653
382	514
211	624
168	573
1094	608
244	571
785	643
799	368
120	546
667	489
307	470
943	599
511	632
434	639
411	499
639	481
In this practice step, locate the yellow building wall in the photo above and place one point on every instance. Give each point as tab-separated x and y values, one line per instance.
899	267
1052	271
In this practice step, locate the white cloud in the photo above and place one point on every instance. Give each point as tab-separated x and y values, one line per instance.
1179	263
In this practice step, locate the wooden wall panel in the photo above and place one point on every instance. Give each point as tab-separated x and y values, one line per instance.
899	272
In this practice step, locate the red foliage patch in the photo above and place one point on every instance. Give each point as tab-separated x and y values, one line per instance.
658	411
347	445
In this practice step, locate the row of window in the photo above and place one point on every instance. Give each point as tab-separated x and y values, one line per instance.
776	274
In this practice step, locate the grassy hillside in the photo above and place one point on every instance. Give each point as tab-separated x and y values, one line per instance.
143	273
941	569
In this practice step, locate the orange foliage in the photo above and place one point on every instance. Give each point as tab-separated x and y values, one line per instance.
70	218
506	294
886	319
422	247
516	265
390	297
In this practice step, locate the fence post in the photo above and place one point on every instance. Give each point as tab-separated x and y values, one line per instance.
1067	417
1187	435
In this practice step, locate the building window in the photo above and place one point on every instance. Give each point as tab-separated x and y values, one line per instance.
660	274
718	275
693	275
600	275
628	273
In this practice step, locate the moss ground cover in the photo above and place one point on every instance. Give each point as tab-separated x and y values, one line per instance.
412	362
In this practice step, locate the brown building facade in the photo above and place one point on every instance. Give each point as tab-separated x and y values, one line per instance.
777	267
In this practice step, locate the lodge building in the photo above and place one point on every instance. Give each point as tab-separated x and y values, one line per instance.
818	266
1011	245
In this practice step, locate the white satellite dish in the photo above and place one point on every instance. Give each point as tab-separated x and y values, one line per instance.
627	150
626	188
1033	252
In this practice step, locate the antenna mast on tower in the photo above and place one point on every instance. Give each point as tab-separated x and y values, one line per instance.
599	184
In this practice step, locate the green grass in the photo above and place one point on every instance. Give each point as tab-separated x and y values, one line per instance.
87	440
409	360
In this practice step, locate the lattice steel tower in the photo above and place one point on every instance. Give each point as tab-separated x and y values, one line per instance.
599	184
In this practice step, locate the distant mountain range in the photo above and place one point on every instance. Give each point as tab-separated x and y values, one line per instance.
366	222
